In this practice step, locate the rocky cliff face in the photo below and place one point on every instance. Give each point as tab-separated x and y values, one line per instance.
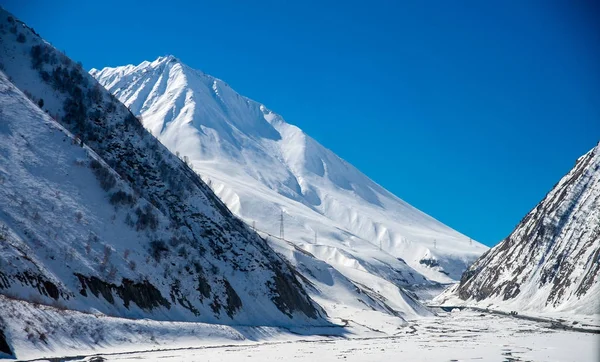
551	261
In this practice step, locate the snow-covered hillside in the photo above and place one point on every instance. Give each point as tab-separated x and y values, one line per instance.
97	215
551	261
261	166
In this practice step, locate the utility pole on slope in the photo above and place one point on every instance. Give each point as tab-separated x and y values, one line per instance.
315	236
281	226
253	225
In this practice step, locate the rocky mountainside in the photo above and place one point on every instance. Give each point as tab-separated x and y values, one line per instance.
97	215
263	167
551	261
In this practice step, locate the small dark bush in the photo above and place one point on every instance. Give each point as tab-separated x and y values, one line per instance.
146	218
182	252
175	241
111	107
75	111
91	134
36	56
21	38
121	198
40	54
106	178
158	249
134	123
95	94
95	164
45	75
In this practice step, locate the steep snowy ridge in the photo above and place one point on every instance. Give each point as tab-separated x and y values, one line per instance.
262	166
97	215
551	261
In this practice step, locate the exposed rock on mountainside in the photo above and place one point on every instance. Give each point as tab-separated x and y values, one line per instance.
551	261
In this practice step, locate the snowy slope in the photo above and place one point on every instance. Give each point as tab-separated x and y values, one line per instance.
551	261
97	215
261	166
460	335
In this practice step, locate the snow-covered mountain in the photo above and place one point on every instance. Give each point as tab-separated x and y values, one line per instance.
97	215
551	261
261	167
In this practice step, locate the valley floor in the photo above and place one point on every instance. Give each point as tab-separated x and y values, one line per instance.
455	336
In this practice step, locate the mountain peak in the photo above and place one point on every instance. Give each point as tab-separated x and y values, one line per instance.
259	164
167	59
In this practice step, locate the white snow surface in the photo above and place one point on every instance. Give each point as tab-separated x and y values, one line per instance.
261	166
455	336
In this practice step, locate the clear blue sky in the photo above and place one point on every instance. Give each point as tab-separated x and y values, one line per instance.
470	111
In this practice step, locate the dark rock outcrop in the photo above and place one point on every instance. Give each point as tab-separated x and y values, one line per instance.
143	294
4	346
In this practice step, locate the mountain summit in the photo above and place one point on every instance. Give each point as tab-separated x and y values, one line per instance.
265	169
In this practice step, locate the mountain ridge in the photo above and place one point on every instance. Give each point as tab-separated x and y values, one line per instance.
551	260
107	219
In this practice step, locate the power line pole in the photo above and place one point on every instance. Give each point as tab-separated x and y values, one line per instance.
315	236
281	226
253	225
